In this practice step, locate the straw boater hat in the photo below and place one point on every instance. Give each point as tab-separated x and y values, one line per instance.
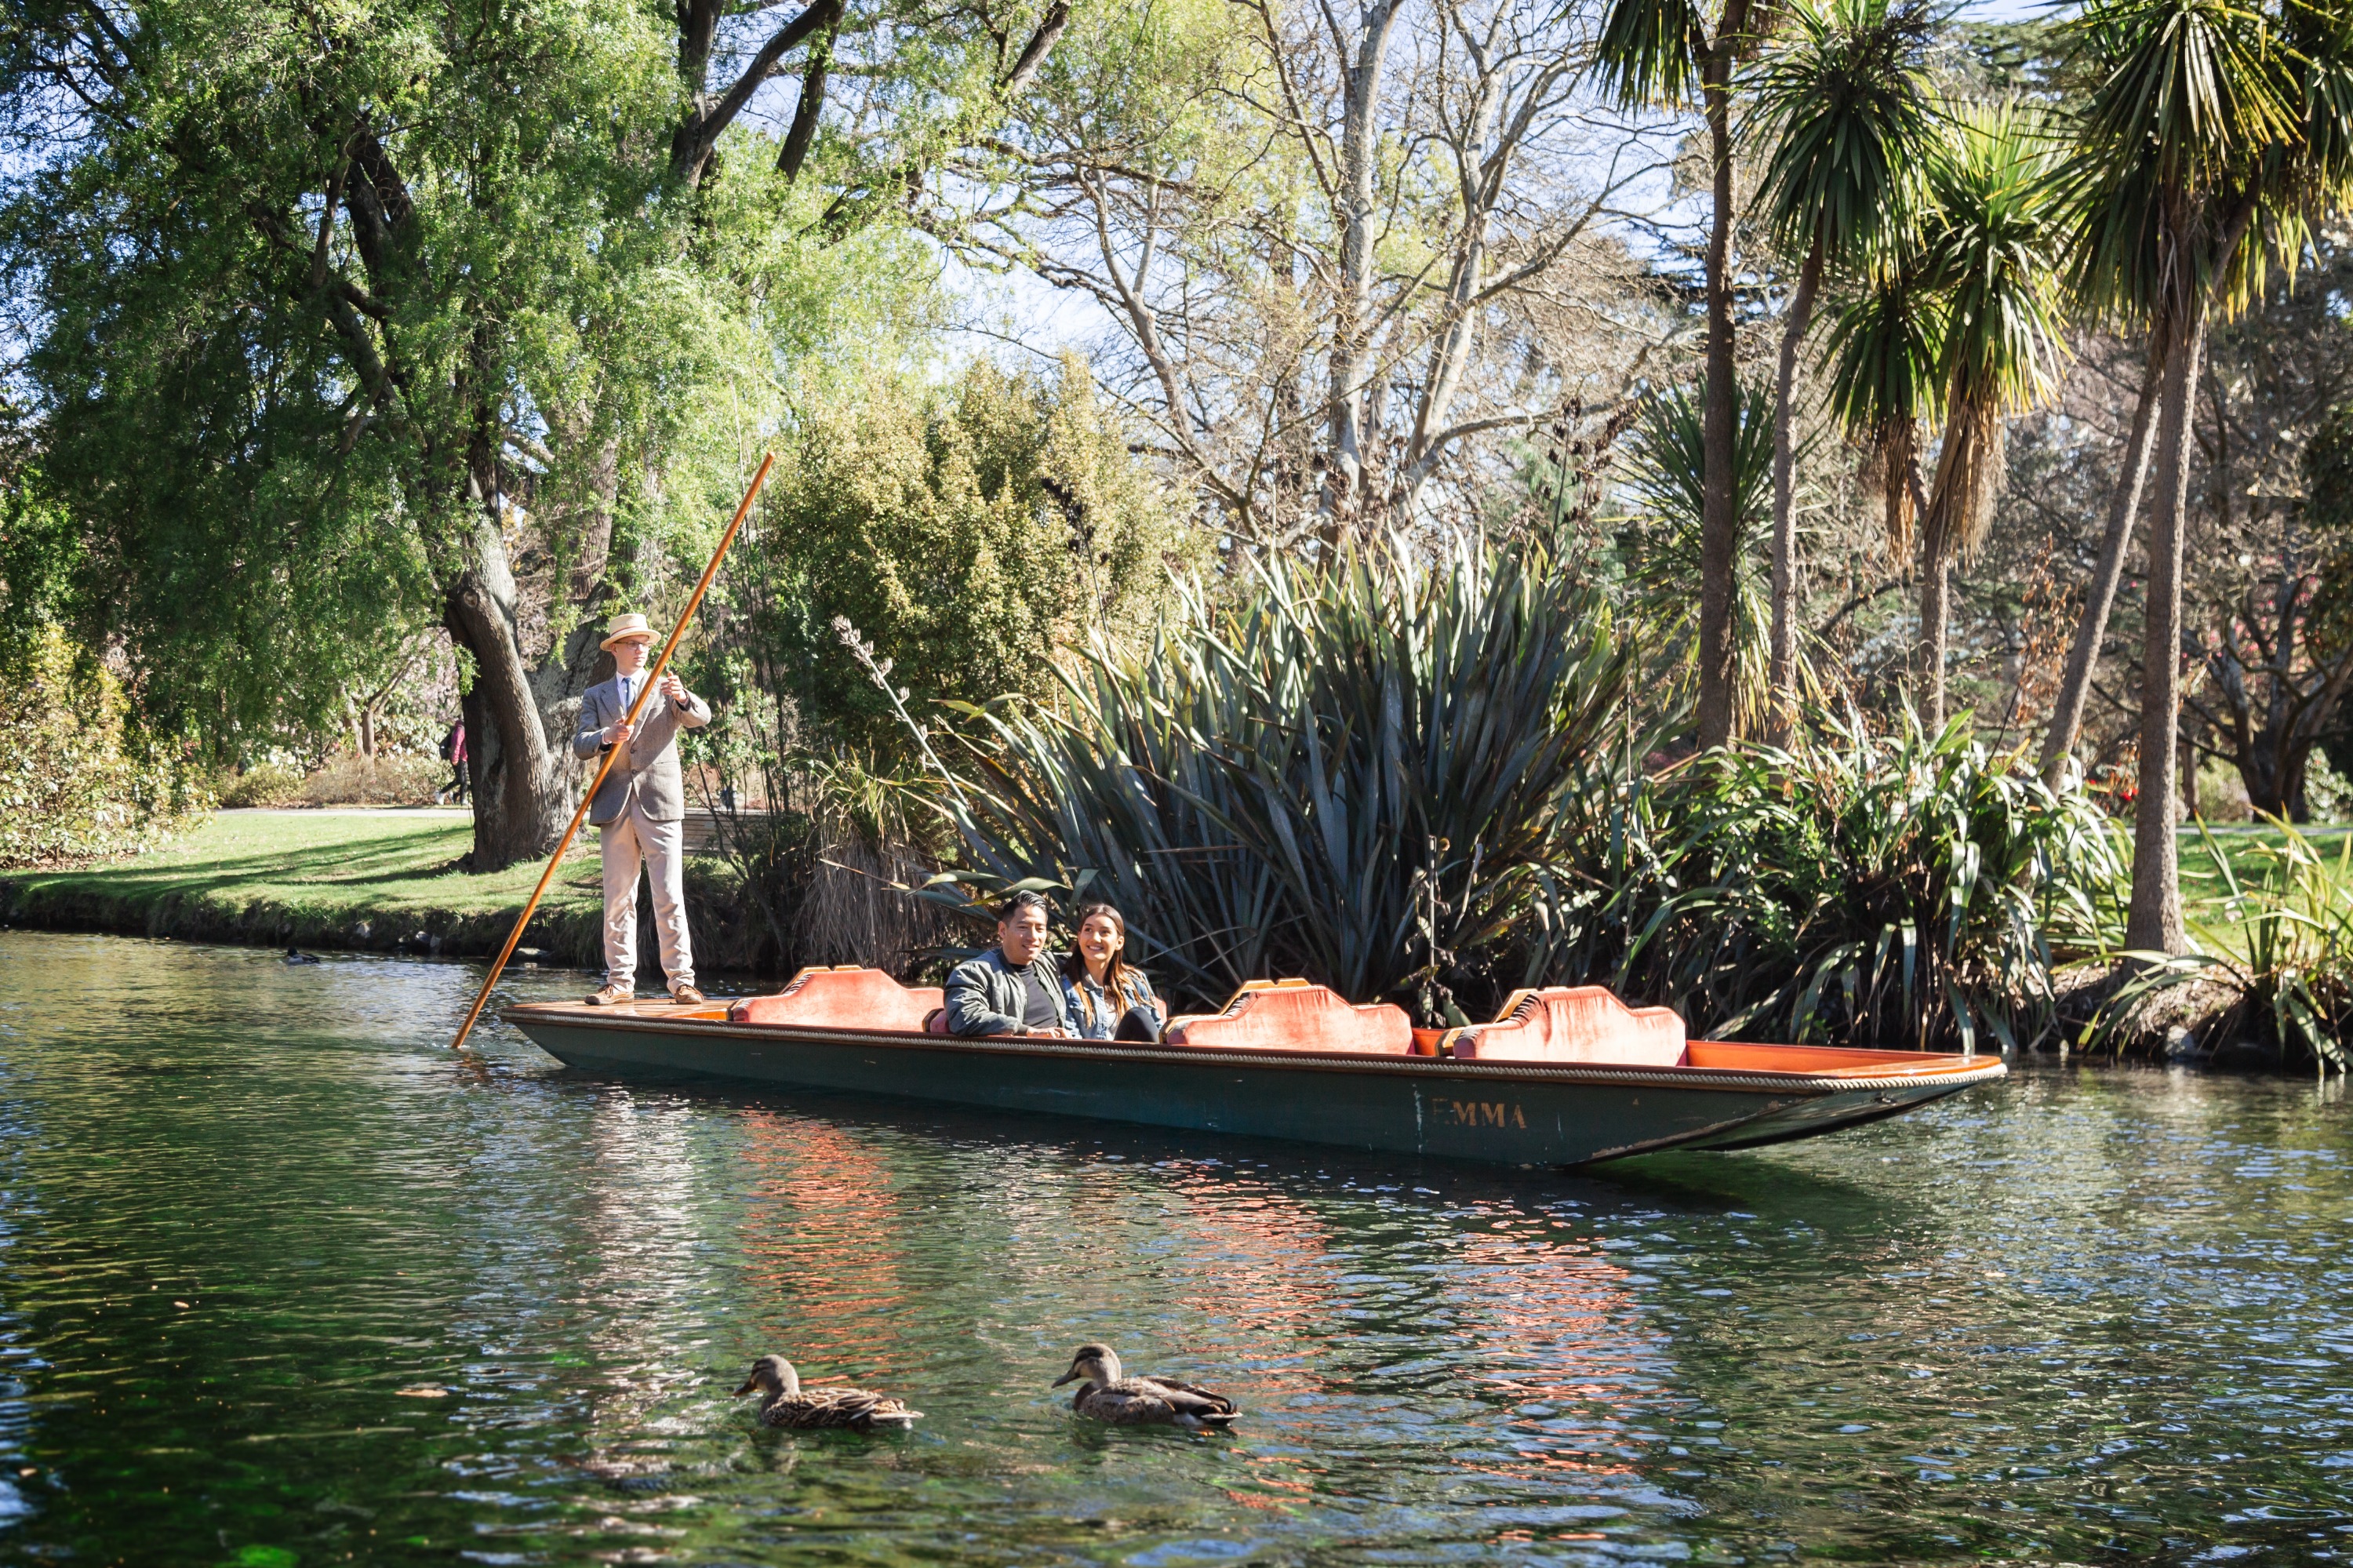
626	629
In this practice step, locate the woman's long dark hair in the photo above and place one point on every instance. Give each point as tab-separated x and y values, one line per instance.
1116	973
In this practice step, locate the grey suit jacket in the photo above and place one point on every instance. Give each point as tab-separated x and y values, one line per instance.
650	775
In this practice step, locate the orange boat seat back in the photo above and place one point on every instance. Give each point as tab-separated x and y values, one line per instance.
1575	1024
845	998
1292	1015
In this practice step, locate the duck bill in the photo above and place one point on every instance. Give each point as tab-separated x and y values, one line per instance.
748	1386
1070	1376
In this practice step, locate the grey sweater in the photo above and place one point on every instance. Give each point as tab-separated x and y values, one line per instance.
985	995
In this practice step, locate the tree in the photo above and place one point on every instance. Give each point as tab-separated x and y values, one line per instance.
2203	116
371	317
968	534
2280	655
1989	247
1337	256
2100	593
1665	53
1844	101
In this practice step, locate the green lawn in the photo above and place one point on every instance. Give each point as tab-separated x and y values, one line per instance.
2243	845
377	880
377	863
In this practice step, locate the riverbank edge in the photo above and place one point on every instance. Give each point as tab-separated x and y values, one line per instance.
729	934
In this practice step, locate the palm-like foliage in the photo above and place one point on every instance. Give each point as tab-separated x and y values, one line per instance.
1668	53
1664	486
1885	354
1989	246
2206	120
1843	100
1349	775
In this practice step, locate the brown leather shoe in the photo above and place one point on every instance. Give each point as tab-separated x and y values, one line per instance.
612	996
687	996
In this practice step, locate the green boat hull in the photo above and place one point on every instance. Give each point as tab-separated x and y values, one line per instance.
1501	1113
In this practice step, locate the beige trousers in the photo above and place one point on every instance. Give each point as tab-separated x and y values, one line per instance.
630	840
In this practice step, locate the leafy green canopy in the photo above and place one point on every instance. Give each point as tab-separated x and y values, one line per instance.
320	290
1352	774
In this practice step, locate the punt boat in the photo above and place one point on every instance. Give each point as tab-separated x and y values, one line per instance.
1564	1076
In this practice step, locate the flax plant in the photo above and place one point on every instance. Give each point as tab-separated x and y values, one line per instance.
1349	775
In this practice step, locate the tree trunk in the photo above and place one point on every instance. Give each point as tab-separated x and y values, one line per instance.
2153	923
1782	694
1719	535
522	787
1936	588
2100	594
1360	144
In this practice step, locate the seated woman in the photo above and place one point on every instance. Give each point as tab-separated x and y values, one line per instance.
1107	997
1011	988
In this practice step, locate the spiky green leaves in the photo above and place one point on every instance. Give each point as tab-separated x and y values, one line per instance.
1989	245
1845	100
1346	774
1649	52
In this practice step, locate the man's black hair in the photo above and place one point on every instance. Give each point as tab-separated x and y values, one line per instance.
1021	901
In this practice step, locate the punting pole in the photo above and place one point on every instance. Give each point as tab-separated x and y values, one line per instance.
653	679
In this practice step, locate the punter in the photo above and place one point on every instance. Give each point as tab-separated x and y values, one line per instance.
640	810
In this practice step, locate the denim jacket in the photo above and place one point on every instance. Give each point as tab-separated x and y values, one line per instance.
985	995
1094	1017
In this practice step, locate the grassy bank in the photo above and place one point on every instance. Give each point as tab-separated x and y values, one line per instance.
379	881
2243	845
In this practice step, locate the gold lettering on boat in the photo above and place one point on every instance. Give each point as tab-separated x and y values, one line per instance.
1486	1113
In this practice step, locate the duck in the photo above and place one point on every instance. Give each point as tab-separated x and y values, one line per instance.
1140	1401
788	1405
296	956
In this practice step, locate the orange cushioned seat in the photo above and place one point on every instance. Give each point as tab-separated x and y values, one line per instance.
1575	1024
844	998
1292	1015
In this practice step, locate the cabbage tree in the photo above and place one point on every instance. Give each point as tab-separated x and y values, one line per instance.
2207	121
1989	247
1844	101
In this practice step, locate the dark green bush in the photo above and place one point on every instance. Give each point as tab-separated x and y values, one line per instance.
1899	890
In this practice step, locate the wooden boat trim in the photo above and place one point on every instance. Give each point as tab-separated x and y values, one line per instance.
1945	1070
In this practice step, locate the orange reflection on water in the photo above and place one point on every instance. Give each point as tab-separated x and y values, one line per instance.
1260	1267
822	1237
1556	1321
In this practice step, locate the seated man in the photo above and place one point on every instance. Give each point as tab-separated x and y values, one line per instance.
1011	988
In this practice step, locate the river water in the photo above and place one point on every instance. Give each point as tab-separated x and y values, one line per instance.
2092	1315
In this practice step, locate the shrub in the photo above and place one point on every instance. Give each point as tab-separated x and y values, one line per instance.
351	779
968	532
75	784
1859	889
263	784
1349	774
